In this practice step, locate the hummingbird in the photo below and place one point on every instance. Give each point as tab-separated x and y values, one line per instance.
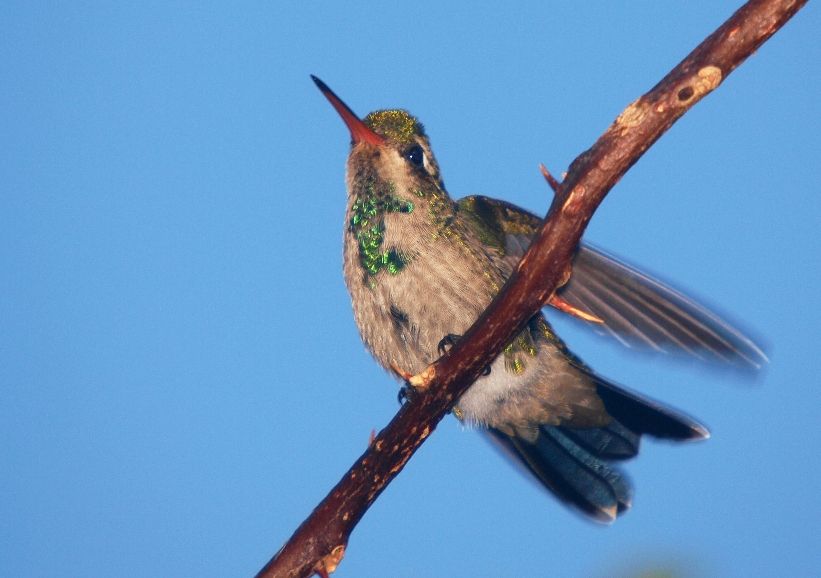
421	268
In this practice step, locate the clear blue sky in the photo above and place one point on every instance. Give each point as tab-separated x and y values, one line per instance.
181	380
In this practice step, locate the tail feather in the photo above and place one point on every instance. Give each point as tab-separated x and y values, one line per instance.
570	472
612	442
574	463
643	415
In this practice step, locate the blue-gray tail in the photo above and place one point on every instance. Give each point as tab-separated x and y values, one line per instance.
577	464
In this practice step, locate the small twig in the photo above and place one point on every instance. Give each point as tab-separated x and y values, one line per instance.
551	180
318	544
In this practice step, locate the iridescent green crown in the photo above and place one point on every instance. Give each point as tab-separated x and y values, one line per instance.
395	125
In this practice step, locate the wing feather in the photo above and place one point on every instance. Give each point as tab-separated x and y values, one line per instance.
637	309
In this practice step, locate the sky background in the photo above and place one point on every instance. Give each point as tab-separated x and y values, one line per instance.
181	380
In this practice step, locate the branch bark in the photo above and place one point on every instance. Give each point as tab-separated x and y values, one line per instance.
319	543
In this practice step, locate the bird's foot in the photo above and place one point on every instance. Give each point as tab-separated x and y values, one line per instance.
414	384
406	393
448	341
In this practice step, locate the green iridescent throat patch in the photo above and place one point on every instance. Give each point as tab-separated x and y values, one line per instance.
369	227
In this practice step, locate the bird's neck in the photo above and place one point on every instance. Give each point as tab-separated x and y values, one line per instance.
382	216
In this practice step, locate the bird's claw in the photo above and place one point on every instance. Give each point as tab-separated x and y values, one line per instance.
406	394
449	341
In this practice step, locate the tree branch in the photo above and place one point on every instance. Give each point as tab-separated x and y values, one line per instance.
319	543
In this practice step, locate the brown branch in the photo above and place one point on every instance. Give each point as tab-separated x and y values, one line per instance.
319	543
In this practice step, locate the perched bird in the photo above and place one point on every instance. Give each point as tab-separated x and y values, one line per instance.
421	268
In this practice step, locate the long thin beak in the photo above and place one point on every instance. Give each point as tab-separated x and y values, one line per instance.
359	130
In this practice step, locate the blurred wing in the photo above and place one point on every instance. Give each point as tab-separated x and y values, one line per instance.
640	310
637	310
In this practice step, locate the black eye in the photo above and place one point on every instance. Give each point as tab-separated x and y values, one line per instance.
416	155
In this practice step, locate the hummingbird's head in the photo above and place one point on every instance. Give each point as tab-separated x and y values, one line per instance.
387	146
